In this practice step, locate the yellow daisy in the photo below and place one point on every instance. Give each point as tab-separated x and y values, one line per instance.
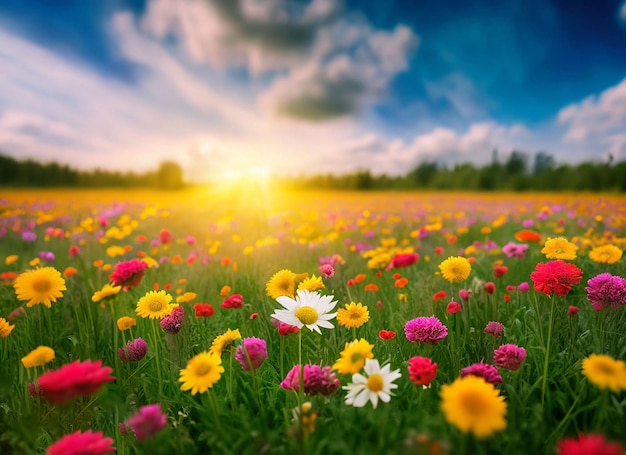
455	269
311	284
5	328
606	254
353	315
559	248
353	357
605	372
222	342
38	356
473	405
155	305
41	285
202	372
281	283
106	292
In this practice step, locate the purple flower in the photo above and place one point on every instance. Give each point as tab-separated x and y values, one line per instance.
494	328
317	380
606	289
173	322
256	350
29	236
148	421
134	351
425	329
509	356
47	256
488	372
515	250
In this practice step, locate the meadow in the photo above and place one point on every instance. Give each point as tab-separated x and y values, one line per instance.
429	323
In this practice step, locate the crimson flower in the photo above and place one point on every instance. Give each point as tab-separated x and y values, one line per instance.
74	379
555	277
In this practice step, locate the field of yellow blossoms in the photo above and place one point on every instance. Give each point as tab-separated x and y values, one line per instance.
252	321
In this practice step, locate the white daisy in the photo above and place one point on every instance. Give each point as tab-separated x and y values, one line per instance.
377	384
310	309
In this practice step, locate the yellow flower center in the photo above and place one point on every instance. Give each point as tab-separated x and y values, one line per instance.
307	315
42	286
356	314
156	306
375	383
203	369
356	357
472	404
605	368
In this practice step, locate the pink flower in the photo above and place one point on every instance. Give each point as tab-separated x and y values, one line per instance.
606	290
253	351
128	274
327	270
494	328
523	287
453	307
592	444
515	250
509	356
422	370
147	421
317	380
425	329
134	351
234	301
74	379
403	260
464	295
483	370
555	277
87	443
173	322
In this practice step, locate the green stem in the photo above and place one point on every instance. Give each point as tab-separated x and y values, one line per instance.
157	355
547	357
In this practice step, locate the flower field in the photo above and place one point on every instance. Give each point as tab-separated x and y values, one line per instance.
250	321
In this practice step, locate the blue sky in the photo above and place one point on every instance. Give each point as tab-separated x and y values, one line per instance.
307	87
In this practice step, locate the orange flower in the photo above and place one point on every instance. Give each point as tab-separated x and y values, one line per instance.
69	271
527	236
225	291
177	259
226	261
439	295
98	263
360	277
371	287
401	282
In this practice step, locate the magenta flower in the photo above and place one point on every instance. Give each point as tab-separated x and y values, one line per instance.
233	301
317	380
523	286
425	329
327	270
148	421
128	274
515	250
494	328
78	443
134	351
509	356
403	260
483	370
253	351
173	322
606	290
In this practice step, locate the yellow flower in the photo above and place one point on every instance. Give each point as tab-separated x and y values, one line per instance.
125	323
186	297
605	372
606	254
5	328
11	259
281	283
455	269
202	372
473	405
39	356
353	357
222	342
106	291
559	248
41	285
353	315
155	305
312	284
380	261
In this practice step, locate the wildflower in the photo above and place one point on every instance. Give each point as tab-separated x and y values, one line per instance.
202	372
74	251
509	356
439	295
555	277
282	283
173	322
310	309
499	271
286	329
386	334
422	370
165	236
223	341
41	285
455	269
82	443
5	328
360	277
605	372
134	351
186	297
106	292
523	287
473	405
69	271
464	295
425	329
483	370
125	323
147	421
606	254
327	270
559	248
16	313
572	310
317	380
515	250
29	236
10	259
401	283
453	307
234	301
312	284
605	289
494	328
527	236
128	274
252	352
303	418
204	310
403	260
591	444
489	287
39	356
376	385
353	357
74	379
225	291
371	287
353	315
155	305
46	256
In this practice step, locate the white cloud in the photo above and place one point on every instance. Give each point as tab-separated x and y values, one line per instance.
622	12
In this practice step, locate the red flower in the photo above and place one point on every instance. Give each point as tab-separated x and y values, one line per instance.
286	329
74	379
204	310
422	370
555	276
438	250
453	307
490	287
572	310
439	295
234	301
165	236
500	270
128	274
387	334
589	445
87	443
403	260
